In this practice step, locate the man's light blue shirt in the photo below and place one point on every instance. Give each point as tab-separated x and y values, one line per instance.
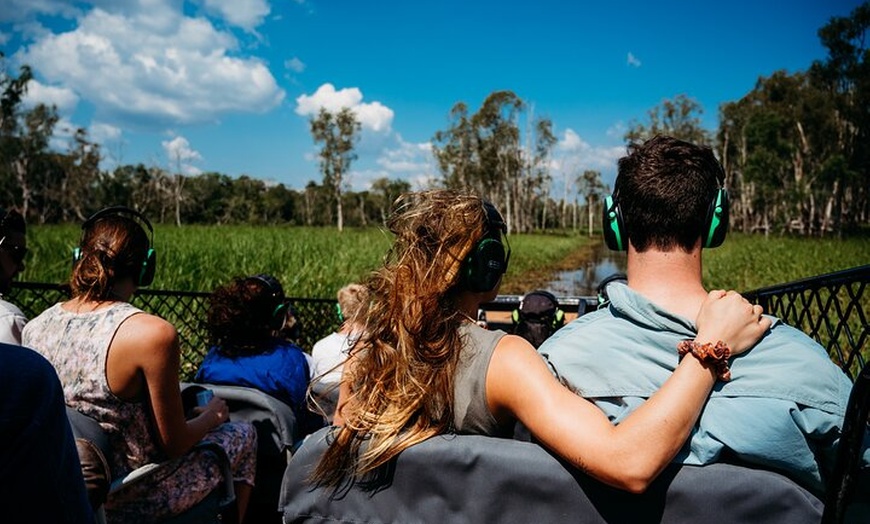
782	409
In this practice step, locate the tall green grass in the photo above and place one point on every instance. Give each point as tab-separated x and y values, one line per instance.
747	262
316	262
309	262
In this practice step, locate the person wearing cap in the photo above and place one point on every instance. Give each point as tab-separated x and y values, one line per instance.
13	248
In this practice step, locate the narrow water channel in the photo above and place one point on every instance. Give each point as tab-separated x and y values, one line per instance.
584	280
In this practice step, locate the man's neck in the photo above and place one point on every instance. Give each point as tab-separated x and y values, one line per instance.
669	279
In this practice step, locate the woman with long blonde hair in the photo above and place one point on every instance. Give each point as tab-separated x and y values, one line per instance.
423	367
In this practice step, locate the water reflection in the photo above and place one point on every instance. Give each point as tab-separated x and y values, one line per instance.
584	280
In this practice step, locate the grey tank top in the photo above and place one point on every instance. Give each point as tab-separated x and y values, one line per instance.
470	411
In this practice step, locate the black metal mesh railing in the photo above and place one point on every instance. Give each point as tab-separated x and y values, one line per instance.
186	310
831	308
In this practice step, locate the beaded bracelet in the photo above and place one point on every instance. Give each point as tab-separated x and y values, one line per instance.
714	355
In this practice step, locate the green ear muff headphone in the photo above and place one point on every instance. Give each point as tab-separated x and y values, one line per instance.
488	259
276	296
558	316
338	312
149	264
713	234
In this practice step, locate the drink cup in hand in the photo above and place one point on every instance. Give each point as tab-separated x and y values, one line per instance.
203	397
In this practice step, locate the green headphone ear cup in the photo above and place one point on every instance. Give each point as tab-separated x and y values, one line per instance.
612	225
338	312
279	316
716	223
484	266
149	267
558	318
515	316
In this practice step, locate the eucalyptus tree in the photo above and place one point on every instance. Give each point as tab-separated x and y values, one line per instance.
679	118
845	78
384	191
591	188
484	152
337	132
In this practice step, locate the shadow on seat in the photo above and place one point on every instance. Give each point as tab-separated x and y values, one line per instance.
325	397
841	504
472	478
277	432
92	445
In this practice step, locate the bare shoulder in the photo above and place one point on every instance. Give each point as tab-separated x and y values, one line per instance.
515	357
515	346
144	329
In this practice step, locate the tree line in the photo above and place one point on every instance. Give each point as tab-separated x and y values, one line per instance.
796	152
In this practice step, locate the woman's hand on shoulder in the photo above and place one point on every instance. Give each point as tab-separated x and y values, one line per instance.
729	317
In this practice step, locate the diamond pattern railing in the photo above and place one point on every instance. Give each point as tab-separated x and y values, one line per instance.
186	310
831	308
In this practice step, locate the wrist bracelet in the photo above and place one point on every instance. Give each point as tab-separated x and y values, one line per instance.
713	355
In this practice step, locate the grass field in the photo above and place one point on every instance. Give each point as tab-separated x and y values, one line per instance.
316	262
746	262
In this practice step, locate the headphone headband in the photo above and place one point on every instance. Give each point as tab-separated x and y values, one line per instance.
279	299
149	264
120	211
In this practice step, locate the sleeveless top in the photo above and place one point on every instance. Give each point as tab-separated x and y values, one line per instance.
77	344
470	411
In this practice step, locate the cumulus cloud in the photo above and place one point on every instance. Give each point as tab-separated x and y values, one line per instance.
102	133
153	68
295	65
19	10
575	155
247	15
632	60
373	116
397	160
407	158
63	98
181	156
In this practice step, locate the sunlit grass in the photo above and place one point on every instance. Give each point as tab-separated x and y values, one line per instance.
316	262
747	262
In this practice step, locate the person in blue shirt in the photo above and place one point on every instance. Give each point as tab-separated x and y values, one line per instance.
782	407
244	318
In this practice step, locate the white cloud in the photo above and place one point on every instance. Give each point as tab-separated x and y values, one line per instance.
575	155
632	60
102	133
18	10
407	158
153	67
571	141
617	130
373	116
63	98
295	65
245	14
181	156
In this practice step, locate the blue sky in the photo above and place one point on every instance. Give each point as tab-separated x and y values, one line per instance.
229	85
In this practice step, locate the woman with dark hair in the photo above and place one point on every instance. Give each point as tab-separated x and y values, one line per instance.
119	365
244	318
424	367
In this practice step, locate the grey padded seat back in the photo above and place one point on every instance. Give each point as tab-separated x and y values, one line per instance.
477	479
277	432
268	414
